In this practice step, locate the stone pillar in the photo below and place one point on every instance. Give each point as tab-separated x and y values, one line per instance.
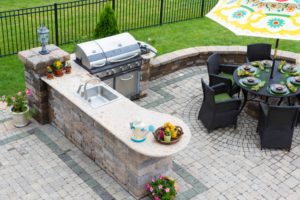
145	73
36	67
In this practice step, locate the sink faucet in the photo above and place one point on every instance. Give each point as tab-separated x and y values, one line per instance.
84	88
79	88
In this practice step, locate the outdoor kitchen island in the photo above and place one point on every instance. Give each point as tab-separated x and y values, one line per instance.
103	133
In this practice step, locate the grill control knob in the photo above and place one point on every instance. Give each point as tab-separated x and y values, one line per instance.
137	63
113	71
122	68
108	72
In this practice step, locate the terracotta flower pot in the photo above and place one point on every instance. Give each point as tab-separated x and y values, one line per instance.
49	76
68	70
20	119
58	72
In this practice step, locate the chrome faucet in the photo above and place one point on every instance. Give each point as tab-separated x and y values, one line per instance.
79	88
84	88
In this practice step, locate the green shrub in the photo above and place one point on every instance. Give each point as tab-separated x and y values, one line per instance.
107	25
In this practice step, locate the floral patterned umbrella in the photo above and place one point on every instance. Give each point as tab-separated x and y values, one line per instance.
278	19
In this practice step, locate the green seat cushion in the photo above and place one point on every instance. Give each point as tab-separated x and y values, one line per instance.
222	97
228	76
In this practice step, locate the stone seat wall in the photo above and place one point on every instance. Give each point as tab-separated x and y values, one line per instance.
197	56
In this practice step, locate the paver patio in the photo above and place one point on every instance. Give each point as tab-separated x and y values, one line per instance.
38	162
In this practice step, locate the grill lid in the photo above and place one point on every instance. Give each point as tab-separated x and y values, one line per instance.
109	50
90	54
119	47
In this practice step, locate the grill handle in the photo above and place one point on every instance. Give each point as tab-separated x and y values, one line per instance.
95	65
126	79
114	61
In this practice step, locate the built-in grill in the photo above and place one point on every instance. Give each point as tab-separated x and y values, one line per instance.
116	60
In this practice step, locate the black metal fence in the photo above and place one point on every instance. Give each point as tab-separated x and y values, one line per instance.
75	21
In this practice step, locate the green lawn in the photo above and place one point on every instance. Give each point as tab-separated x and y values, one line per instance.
167	38
17	4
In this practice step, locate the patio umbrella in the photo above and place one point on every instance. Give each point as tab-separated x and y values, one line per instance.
279	19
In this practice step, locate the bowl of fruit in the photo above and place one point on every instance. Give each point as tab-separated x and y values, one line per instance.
168	134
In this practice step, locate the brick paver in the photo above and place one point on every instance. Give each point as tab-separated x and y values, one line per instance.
38	162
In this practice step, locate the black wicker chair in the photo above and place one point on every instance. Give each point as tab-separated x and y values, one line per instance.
258	51
221	73
218	108
276	125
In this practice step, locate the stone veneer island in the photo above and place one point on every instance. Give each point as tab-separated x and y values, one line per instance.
103	133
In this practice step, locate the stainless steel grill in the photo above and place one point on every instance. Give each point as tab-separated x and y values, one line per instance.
116	60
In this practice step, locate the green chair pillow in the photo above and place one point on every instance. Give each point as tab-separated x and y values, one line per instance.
228	76
222	97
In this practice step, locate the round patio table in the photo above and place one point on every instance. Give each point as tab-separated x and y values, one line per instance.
264	75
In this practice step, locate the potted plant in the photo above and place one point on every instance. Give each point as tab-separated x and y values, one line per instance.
49	72
58	68
163	188
170	131
68	67
19	108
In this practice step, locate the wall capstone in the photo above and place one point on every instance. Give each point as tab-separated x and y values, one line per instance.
196	56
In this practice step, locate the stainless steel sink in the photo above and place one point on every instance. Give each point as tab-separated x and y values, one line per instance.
98	95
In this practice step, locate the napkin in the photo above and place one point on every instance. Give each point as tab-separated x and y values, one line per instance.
281	64
291	87
295	73
258	86
242	72
258	64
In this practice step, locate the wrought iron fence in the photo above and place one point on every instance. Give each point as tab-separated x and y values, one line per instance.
75	21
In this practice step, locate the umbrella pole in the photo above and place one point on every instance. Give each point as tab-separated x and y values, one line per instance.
274	58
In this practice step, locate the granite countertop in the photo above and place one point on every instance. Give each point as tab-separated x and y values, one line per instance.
117	115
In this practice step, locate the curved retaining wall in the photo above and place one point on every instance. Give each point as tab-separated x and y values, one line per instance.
197	56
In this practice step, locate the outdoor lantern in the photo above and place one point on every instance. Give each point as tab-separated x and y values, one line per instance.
43	34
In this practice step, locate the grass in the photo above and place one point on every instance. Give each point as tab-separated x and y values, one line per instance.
77	20
167	38
18	4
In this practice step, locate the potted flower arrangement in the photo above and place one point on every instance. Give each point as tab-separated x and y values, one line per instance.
19	108
68	67
58	68
49	72
168	133
163	188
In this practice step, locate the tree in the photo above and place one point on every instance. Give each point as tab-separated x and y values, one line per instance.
107	25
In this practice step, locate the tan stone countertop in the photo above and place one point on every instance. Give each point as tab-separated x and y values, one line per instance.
117	115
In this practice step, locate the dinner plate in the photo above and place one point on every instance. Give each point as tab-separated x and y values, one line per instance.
250	80
295	80
249	68
275	88
290	68
267	63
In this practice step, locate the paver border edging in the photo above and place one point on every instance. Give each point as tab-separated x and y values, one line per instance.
195	56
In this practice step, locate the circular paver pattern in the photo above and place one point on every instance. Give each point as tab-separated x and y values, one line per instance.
240	141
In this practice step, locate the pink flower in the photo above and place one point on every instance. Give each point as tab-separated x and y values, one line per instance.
156	198
167	190
152	180
3	98
153	193
161	177
147	186
28	92
160	187
19	93
151	189
13	99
